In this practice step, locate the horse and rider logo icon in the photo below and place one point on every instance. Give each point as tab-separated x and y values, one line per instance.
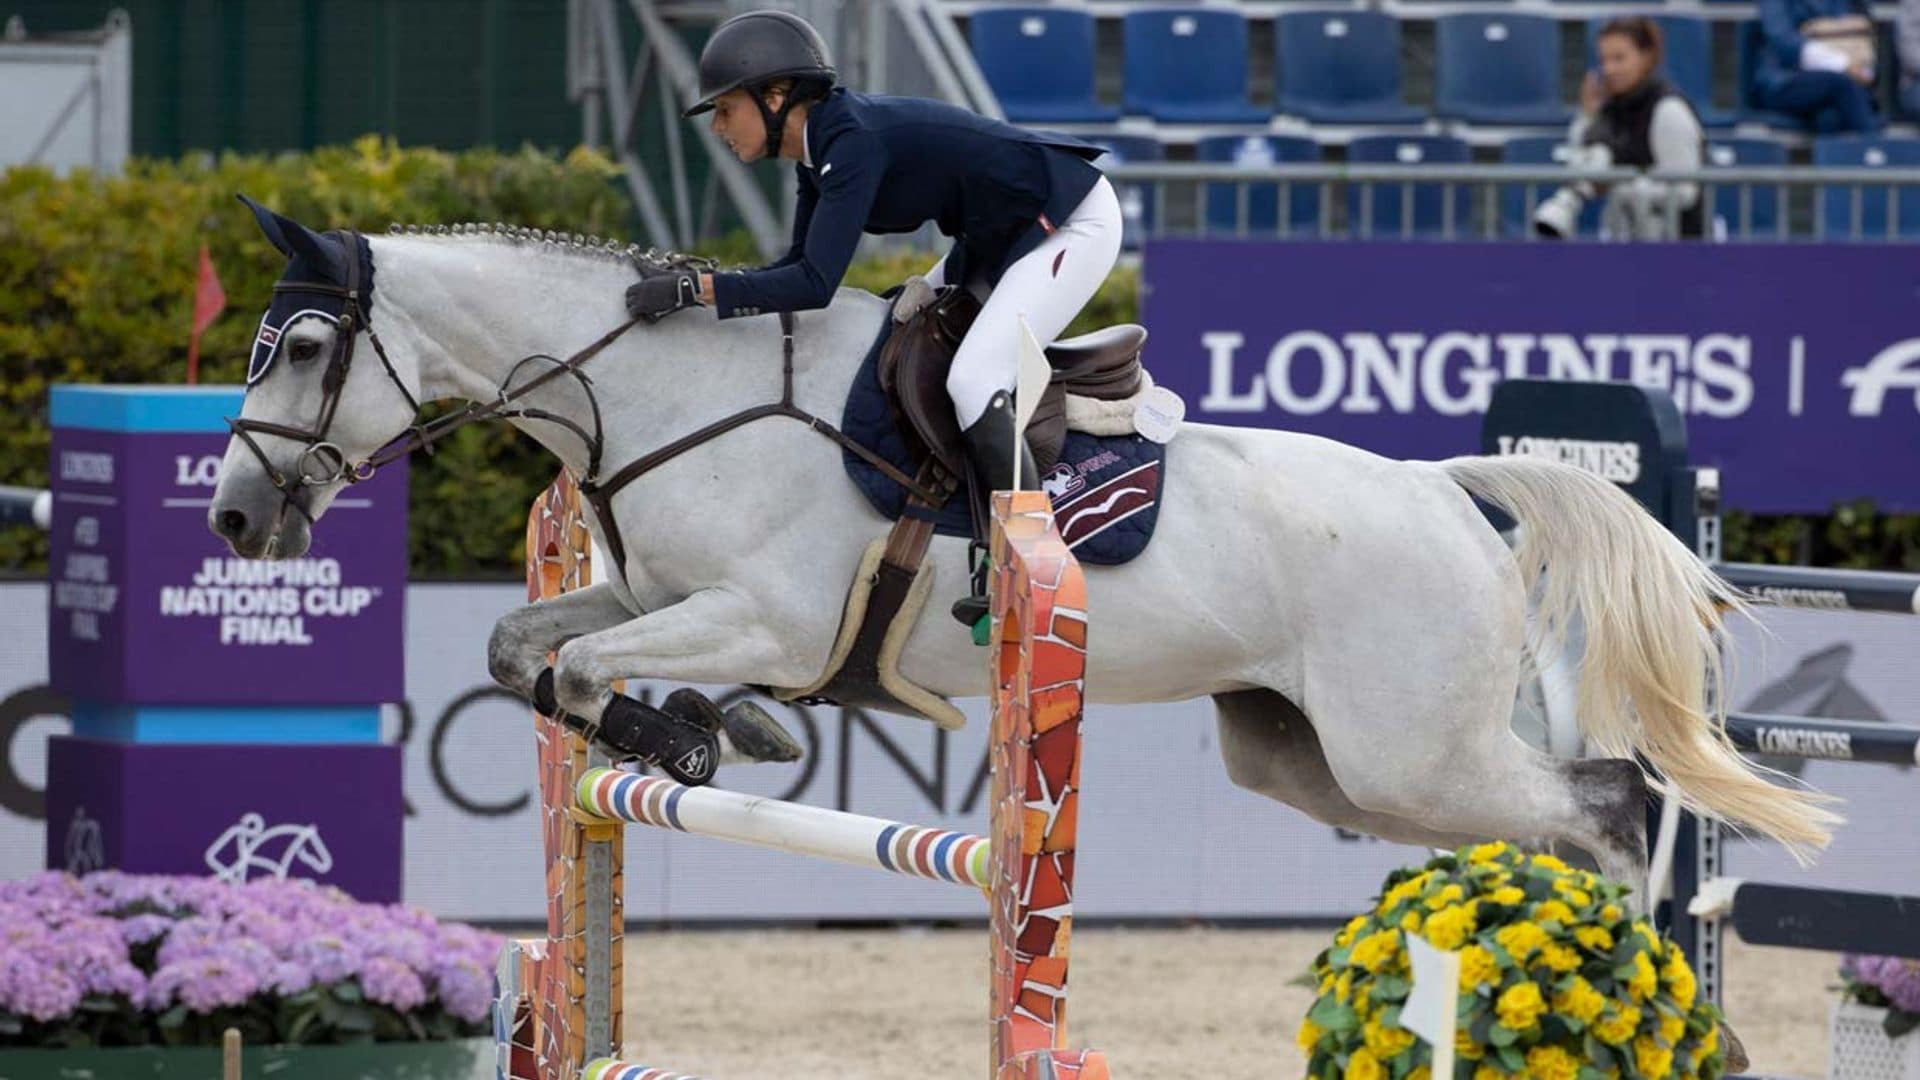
86	850
246	851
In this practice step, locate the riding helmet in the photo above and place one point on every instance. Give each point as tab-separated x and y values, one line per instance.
756	48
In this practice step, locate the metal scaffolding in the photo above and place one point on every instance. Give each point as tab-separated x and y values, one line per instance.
627	57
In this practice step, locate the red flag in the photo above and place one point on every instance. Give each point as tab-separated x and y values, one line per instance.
209	299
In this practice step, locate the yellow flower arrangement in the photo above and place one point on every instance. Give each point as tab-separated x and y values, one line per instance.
1478	967
1557	981
1520	939
1559	959
1579	1000
1672	1028
1520	1005
1386	1042
1618	1025
1308	1035
1594	937
1449	928
1654	1061
1378	950
1552	911
1644	981
1551	1062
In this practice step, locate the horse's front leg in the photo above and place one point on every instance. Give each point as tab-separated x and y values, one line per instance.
713	636
522	639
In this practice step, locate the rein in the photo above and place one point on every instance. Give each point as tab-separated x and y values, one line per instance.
335	468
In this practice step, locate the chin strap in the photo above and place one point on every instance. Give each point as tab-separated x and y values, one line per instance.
776	123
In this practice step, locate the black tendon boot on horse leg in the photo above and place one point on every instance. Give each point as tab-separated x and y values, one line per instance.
994	448
682	737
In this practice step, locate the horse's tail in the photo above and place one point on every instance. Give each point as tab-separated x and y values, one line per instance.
1651	612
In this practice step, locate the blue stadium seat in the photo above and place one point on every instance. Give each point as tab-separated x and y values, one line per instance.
1498	69
1429	216
1136	200
1517	201
1039	61
1188	66
1760	218
1262	200
1341	67
1689	62
1840	202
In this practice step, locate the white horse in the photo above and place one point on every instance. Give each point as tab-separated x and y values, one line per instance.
1359	623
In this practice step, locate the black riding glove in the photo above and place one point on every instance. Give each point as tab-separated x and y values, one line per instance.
656	296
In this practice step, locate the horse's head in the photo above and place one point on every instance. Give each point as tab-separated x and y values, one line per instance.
312	418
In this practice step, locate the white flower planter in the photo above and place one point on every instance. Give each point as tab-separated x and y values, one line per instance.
1862	1051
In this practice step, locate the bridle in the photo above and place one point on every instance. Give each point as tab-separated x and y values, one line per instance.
322	462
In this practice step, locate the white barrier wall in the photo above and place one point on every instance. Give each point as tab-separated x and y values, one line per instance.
1165	834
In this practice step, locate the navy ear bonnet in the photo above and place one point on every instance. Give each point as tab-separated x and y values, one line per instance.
313	259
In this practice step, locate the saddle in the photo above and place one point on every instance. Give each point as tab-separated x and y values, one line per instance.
1094	375
1104	366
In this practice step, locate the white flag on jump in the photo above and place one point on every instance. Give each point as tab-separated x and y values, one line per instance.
1432	1008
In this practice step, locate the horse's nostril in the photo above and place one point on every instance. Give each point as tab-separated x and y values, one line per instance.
232	523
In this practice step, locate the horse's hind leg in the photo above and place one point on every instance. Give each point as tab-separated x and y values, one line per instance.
1270	748
1457	767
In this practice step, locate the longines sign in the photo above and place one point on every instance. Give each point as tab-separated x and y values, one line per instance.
1797	368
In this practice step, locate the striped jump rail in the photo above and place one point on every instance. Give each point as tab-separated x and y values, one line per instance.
910	850
609	1069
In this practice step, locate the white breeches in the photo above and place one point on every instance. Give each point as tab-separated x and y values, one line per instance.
1049	285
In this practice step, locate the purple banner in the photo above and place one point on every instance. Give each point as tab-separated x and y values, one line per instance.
149	607
1797	367
331	814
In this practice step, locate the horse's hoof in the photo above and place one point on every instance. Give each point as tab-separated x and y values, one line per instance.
747	733
690	706
757	735
1734	1049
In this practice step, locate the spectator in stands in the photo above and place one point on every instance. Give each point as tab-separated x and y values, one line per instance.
1630	116
1817	64
1907	38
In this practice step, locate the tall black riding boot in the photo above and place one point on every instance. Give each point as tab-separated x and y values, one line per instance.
994	451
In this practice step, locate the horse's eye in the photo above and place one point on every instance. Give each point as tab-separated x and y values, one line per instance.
305	350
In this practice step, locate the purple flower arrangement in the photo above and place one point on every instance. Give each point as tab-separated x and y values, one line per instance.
1887	982
116	959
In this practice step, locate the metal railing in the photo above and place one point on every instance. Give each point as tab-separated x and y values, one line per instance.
1465	201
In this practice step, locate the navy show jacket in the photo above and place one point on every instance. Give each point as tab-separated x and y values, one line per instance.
892	164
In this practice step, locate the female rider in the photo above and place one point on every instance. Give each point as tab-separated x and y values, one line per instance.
1036	227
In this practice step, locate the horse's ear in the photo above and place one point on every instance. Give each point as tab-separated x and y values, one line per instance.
269	223
292	238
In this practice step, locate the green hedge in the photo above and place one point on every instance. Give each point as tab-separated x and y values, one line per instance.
97	280
96	285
